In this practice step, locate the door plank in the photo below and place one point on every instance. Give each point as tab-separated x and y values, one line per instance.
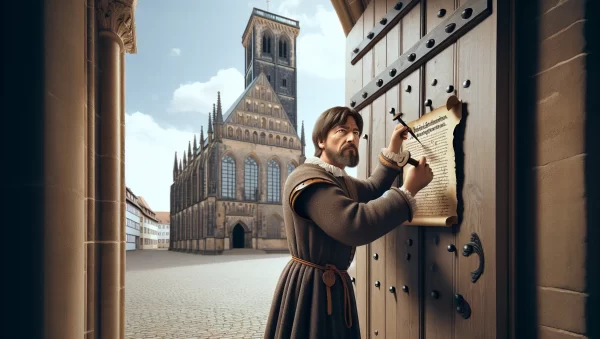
358	268
408	307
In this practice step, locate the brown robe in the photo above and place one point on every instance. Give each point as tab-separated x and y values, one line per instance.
326	217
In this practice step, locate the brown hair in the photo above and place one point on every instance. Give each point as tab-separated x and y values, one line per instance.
332	117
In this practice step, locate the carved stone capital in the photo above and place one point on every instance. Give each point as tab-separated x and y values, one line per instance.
117	16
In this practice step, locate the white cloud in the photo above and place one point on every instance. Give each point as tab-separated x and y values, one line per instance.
175	52
200	96
150	150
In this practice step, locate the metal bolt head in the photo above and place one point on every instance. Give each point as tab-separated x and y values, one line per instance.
383	21
428	102
430	43
392	289
375	256
412	57
377	283
434	82
370	35
356	50
398	6
392	72
409	242
441	13
376	332
353	279
450	28
407	88
467	83
466	13
365	94
435	294
451	248
405	288
449	89
392	111
379	82
407	256
352	103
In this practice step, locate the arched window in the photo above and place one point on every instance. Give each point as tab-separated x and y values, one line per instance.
247	135
255	138
262	138
291	168
270	124
291	143
238	133
228	178
284	142
263	123
278	141
273	181
271	140
266	43
230	132
250	179
283	48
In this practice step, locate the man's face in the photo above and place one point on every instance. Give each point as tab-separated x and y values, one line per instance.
341	146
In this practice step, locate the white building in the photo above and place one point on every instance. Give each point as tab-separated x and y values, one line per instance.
149	225
164	228
132	221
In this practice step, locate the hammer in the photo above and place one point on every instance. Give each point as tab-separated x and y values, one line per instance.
397	118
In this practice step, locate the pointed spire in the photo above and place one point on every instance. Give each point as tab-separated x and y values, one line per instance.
175	168
189	150
214	113
210	130
180	167
195	144
219	108
201	137
302	140
184	159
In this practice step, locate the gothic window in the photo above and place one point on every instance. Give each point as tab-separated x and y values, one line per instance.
283	48
270	124
248	120
250	179
284	142
247	135
263	123
278	141
230	132
269	96
276	110
262	138
255	138
291	143
273	181
269	78
238	134
261	109
283	82
291	168
266	43
228	178
271	139
248	106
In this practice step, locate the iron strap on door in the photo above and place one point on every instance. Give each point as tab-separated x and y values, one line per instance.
393	16
460	22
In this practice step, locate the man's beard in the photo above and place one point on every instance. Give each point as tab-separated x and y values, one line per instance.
348	156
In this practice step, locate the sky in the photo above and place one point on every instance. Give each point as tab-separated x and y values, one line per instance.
187	50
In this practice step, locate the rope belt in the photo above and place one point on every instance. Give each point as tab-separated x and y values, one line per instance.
329	279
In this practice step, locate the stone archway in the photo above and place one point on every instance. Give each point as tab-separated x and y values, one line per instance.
238	236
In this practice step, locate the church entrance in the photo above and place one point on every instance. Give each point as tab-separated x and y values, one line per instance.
238	236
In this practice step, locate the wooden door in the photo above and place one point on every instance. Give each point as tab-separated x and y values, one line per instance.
416	282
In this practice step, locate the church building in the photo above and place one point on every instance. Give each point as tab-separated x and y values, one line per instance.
227	188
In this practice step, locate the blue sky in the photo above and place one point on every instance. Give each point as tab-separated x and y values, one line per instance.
187	50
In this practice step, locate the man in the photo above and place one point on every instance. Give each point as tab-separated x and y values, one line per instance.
327	214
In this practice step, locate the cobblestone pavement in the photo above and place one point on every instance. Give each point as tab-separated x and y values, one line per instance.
177	295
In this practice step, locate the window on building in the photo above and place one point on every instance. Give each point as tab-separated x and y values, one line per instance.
266	43
273	181
228	178
291	168
283	82
250	179
283	48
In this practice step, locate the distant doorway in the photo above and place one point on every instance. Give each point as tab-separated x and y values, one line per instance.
238	236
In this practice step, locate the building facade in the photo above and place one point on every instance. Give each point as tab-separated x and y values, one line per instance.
132	221
164	229
227	191
149	226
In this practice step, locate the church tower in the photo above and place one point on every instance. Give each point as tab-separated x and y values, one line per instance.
269	42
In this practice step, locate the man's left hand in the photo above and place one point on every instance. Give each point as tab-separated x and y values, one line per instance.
400	134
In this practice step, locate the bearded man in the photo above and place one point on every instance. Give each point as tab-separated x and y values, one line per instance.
327	214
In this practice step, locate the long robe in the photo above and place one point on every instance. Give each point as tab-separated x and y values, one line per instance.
326	216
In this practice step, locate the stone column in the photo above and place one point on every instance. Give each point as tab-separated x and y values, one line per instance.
63	182
116	35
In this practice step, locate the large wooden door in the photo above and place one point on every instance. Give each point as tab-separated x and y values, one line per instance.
416	282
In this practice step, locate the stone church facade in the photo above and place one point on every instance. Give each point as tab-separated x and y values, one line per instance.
226	190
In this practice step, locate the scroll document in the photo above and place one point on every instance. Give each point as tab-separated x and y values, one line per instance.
437	202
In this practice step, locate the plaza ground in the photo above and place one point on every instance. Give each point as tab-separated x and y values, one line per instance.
177	295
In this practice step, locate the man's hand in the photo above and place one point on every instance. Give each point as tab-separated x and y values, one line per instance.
400	134
418	177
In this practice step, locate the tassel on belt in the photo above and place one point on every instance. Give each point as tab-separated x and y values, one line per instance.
329	279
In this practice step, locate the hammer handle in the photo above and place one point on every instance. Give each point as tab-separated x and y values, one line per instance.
413	162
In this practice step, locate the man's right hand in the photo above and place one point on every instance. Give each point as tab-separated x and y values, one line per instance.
418	177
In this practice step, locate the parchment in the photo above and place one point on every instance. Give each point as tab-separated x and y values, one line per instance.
436	203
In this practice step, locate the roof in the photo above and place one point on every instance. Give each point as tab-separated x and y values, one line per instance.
143	202
349	11
237	101
164	217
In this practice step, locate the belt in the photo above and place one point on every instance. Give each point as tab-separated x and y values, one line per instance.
329	279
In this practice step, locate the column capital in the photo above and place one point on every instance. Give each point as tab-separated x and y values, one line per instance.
117	16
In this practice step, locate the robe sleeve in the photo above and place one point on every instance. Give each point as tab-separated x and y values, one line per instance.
382	178
350	222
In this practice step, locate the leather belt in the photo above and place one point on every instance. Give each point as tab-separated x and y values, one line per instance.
329	272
